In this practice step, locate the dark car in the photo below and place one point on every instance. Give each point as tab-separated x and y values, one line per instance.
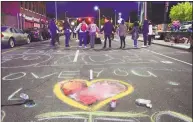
38	33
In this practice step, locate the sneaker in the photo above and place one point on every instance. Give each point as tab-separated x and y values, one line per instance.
144	46
80	46
85	47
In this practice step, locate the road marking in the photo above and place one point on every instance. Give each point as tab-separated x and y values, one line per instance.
11	50
169	57
76	56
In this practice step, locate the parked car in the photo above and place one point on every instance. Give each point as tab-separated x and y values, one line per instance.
39	34
12	36
185	25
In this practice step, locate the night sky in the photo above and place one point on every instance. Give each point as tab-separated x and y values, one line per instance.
77	9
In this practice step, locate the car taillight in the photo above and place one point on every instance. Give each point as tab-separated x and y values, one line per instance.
2	35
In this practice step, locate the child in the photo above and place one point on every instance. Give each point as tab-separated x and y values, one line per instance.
135	34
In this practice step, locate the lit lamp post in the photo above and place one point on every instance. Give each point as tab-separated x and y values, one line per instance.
72	23
56	11
115	17
65	14
96	8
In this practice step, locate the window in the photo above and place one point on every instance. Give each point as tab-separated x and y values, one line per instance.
33	6
21	3
3	29
11	29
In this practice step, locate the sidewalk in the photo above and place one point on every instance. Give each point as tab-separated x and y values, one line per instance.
169	44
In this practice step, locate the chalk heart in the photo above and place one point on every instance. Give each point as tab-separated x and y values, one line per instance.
91	95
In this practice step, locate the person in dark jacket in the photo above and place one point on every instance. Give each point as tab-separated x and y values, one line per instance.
135	33
53	30
67	32
108	29
145	31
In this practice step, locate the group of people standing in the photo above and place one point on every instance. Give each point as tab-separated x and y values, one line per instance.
82	29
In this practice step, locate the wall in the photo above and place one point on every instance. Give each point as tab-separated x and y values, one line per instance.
9	16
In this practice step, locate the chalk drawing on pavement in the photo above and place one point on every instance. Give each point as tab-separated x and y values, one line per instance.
150	74
14	76
3	114
26	60
167	62
13	94
113	116
69	74
173	83
120	72
85	95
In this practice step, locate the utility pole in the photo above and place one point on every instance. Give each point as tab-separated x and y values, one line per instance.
165	16
115	17
145	10
56	11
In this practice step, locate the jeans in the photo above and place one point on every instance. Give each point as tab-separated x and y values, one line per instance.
145	36
67	39
92	39
135	43
107	36
149	39
122	38
82	37
53	40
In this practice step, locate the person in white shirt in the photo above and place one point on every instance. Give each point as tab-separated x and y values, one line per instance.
150	33
93	29
82	27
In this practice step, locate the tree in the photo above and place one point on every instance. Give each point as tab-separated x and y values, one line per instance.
181	12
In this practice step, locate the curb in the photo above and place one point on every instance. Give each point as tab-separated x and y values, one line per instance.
169	46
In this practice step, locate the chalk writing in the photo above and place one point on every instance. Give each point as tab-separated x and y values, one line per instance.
68	74
14	76
13	94
142	75
119	72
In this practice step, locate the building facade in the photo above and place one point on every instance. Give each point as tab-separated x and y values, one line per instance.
9	17
32	14
24	14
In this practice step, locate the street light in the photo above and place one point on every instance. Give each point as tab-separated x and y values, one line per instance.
96	8
115	17
72	23
65	14
56	11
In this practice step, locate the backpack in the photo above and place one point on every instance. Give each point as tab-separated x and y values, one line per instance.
83	27
93	28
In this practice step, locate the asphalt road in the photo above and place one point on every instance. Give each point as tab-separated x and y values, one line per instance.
157	73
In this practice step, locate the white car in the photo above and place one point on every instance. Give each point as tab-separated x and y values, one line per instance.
186	25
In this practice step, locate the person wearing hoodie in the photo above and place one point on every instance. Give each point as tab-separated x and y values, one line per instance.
145	31
135	33
122	32
93	29
108	29
53	30
67	32
150	33
82	27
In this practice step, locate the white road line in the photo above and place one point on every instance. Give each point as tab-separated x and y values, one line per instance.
76	56
169	57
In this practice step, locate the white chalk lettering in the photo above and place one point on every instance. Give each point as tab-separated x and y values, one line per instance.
68	74
119	72
11	96
10	76
141	75
97	72
37	77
